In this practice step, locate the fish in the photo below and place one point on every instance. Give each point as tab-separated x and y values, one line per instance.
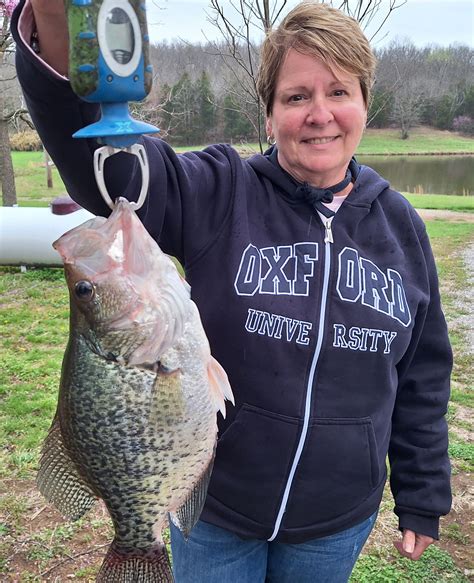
136	419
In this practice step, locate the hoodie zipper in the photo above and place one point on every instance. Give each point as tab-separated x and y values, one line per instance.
328	240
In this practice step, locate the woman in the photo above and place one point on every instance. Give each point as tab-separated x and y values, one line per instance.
318	291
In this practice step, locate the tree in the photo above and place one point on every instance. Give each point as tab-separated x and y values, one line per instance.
401	70
205	108
180	111
467	106
165	114
241	32
441	80
380	108
406	111
237	126
429	84
7	175
240	51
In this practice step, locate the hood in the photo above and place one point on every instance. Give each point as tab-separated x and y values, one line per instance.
368	185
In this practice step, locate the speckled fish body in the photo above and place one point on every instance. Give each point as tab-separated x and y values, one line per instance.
136	419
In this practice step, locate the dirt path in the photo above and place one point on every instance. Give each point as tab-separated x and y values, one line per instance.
430	214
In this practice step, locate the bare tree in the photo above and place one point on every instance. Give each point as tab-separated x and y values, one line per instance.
247	20
406	111
402	68
7	176
369	13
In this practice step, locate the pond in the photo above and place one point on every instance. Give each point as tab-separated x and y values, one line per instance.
425	174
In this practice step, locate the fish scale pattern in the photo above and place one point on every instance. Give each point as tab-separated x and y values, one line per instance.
132	436
136	420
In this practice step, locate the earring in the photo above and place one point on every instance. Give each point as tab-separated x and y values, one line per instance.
271	140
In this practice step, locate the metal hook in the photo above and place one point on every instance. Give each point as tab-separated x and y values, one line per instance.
101	155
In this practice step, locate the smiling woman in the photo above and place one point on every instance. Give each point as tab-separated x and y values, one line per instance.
318	293
317	120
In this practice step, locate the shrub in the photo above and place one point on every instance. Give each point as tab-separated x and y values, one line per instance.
464	124
26	141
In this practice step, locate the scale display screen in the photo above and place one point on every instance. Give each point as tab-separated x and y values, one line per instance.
119	35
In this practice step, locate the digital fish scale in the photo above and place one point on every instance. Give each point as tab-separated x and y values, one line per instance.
109	64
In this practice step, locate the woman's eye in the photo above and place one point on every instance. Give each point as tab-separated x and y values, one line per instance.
339	92
296	98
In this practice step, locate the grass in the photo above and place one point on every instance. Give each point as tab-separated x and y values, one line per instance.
447	240
421	141
435	566
463	398
453	532
34	321
442	202
463	452
30	179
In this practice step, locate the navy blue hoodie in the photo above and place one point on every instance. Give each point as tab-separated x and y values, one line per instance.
332	335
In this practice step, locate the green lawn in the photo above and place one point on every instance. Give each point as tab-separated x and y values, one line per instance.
421	141
31	181
441	201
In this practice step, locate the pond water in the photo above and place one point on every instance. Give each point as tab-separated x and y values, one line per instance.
425	174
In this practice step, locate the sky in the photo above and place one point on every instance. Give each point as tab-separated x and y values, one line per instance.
423	22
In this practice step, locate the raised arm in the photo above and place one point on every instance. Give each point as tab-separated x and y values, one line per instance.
51	25
189	195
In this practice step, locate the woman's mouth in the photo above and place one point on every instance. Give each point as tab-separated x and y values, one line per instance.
317	141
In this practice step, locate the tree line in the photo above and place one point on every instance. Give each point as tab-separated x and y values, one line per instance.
197	98
431	85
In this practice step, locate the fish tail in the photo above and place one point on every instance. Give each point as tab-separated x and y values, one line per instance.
124	564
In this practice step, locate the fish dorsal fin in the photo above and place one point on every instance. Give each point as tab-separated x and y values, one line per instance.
219	385
58	479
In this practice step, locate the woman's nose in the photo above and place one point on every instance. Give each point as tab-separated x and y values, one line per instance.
320	112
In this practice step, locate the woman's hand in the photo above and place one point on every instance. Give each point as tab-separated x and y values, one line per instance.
413	544
53	37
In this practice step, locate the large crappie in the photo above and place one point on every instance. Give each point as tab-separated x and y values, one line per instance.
136	417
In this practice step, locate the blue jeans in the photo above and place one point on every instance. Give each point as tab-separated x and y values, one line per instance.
215	555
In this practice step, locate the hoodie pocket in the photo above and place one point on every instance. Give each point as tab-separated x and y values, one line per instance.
253	459
338	470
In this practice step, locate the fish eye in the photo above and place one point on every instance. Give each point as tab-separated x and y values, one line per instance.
84	290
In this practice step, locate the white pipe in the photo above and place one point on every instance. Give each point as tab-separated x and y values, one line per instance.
27	234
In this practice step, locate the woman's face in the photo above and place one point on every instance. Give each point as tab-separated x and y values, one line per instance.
317	119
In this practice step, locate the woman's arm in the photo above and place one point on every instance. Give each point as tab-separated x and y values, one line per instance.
51	26
189	196
420	470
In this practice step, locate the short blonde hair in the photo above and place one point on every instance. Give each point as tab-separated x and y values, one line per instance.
316	29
